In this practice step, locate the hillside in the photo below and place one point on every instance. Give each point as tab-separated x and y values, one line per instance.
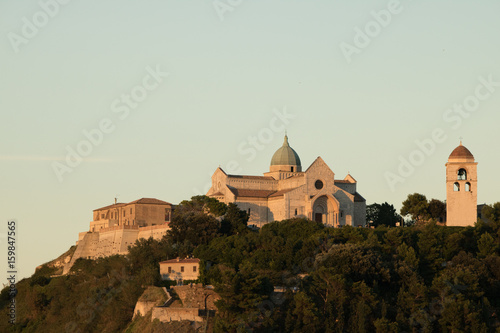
291	276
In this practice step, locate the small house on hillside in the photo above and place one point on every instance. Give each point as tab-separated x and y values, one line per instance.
180	269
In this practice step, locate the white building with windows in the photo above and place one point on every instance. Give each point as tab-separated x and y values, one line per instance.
180	269
286	192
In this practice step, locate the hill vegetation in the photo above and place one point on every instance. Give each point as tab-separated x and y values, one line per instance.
424	278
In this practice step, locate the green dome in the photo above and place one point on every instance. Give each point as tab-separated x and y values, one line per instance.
285	155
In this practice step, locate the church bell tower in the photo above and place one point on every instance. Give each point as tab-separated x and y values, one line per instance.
461	188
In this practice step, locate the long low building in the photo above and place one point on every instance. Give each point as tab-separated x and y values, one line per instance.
116	227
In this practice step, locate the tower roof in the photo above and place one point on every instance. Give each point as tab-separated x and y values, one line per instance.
461	154
285	155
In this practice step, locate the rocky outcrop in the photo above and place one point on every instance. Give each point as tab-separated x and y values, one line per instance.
151	297
193	303
61	261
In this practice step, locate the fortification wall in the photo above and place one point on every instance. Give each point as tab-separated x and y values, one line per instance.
113	240
155	231
116	240
85	248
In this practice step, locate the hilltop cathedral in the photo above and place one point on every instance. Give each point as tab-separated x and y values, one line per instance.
286	192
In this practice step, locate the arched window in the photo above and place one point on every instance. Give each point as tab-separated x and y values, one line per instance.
462	174
456	187
467	187
295	211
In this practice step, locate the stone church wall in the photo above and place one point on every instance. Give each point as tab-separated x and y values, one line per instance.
359	213
292	182
253	184
258	210
348	187
277	209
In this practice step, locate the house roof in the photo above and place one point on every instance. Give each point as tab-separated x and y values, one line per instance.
258	193
358	197
318	160
143	201
116	205
280	193
149	201
251	177
250	193
461	152
181	261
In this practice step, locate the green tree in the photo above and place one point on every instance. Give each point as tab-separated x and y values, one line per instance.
437	210
382	214
486	245
194	222
491	213
202	203
303	314
234	221
417	207
243	295
430	249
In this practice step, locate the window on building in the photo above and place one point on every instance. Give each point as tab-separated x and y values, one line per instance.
292	169
467	187
130	210
456	187
182	269
167	214
248	211
169	270
102	216
462	174
295	211
194	269
318	184
124	213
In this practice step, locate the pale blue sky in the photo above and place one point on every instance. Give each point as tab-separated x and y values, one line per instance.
225	79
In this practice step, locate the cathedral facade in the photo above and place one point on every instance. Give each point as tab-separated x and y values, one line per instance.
286	192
